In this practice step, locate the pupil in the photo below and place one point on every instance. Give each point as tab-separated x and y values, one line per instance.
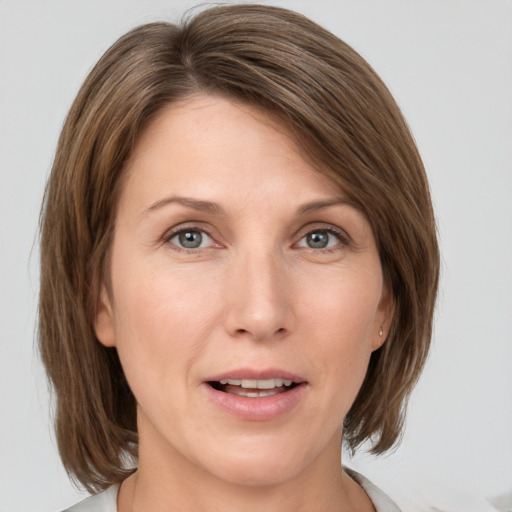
190	239
318	240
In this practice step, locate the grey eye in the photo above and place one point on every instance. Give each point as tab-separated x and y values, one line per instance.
190	239
318	239
321	239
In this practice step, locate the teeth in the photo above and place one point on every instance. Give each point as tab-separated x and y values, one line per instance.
257	384
231	382
240	391
250	384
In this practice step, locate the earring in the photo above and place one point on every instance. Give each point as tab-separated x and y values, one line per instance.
381	331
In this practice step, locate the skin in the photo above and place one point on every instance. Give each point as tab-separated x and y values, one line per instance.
256	295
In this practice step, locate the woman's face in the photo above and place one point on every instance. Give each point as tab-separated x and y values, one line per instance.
245	299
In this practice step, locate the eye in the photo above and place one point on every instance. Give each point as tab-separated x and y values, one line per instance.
190	238
321	239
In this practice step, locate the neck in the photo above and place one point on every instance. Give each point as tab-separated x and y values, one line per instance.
166	481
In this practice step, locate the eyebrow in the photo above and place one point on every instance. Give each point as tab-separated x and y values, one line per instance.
313	206
196	204
215	208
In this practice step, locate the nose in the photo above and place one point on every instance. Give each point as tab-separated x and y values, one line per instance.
259	293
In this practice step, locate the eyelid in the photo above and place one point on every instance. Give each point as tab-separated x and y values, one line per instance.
341	234
190	226
169	234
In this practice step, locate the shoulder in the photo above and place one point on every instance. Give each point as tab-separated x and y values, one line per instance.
381	502
105	501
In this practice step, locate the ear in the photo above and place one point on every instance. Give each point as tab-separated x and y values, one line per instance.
104	326
384	316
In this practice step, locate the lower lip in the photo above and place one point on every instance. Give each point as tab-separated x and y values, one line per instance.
261	408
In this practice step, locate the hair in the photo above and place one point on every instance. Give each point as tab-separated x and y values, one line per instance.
347	123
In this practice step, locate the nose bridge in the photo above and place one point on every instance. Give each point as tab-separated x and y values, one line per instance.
259	293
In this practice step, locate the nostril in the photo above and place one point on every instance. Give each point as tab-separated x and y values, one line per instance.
260	331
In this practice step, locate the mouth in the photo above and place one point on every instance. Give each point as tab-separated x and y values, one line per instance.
254	388
256	395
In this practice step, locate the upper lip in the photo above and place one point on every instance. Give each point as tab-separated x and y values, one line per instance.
255	374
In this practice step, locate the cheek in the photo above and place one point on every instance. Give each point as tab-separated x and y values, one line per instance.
162	320
341	317
344	306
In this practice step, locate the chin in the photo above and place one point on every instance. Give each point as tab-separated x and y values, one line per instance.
256	474
257	465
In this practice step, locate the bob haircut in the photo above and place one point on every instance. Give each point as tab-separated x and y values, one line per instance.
347	124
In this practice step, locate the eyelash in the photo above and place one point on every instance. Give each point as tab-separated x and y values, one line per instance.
341	236
184	229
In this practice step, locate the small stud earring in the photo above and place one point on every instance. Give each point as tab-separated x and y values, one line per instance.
381	331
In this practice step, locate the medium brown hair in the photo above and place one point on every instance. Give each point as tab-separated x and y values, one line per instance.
347	123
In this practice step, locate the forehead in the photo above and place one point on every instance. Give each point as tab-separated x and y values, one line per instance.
206	139
202	115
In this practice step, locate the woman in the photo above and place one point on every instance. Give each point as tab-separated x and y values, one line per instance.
239	269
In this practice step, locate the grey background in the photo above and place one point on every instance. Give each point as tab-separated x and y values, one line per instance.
449	64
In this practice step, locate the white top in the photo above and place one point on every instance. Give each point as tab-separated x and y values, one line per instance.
106	501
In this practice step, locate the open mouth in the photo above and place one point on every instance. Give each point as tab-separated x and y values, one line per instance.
253	388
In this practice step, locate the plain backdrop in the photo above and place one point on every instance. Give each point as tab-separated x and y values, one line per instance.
449	64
